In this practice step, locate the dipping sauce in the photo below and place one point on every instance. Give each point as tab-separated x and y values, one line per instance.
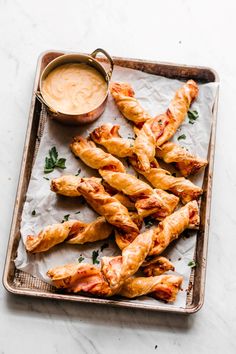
74	88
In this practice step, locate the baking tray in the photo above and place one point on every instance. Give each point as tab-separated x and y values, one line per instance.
21	283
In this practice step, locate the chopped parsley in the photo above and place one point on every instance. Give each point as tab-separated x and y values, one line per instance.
105	245
53	161
80	259
65	218
47	179
95	256
131	137
181	137
78	172
77	212
192	264
149	223
192	116
160	122
33	212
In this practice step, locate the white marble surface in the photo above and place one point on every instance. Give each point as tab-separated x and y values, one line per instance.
178	31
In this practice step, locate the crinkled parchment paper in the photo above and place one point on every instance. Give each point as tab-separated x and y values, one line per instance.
154	93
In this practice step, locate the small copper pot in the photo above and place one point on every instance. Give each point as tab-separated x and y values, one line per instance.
77	119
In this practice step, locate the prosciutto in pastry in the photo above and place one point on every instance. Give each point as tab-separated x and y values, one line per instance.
163	179
94	157
117	269
122	238
106	205
162	287
89	279
73	231
157	266
80	277
108	136
156	131
184	161
127	104
66	185
173	225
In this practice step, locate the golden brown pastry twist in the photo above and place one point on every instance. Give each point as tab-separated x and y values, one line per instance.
80	277
108	136
117	269
128	105
173	225
73	231
163	179
114	212
157	266
156	131
67	185
163	287
89	279
94	157
186	163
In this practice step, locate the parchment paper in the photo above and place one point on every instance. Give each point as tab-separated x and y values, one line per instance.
154	93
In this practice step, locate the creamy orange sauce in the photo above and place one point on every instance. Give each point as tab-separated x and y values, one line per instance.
74	88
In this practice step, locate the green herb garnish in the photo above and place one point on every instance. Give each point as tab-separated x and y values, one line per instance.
46	178
80	259
192	264
65	218
95	256
79	170
77	212
160	122
52	161
33	212
149	223
183	136
131	137
105	245
192	116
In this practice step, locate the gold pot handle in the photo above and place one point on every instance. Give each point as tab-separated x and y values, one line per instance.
41	100
100	50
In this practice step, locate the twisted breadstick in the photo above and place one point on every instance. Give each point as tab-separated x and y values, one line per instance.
108	136
187	163
114	212
94	157
80	277
163	287
128	105
158	130
162	179
67	185
73	231
173	225
117	269
113	172
89	279
157	266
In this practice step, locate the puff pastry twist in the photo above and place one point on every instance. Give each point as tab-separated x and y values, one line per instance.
157	266
128	105
73	231
163	287
173	225
184	161
106	205
87	278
